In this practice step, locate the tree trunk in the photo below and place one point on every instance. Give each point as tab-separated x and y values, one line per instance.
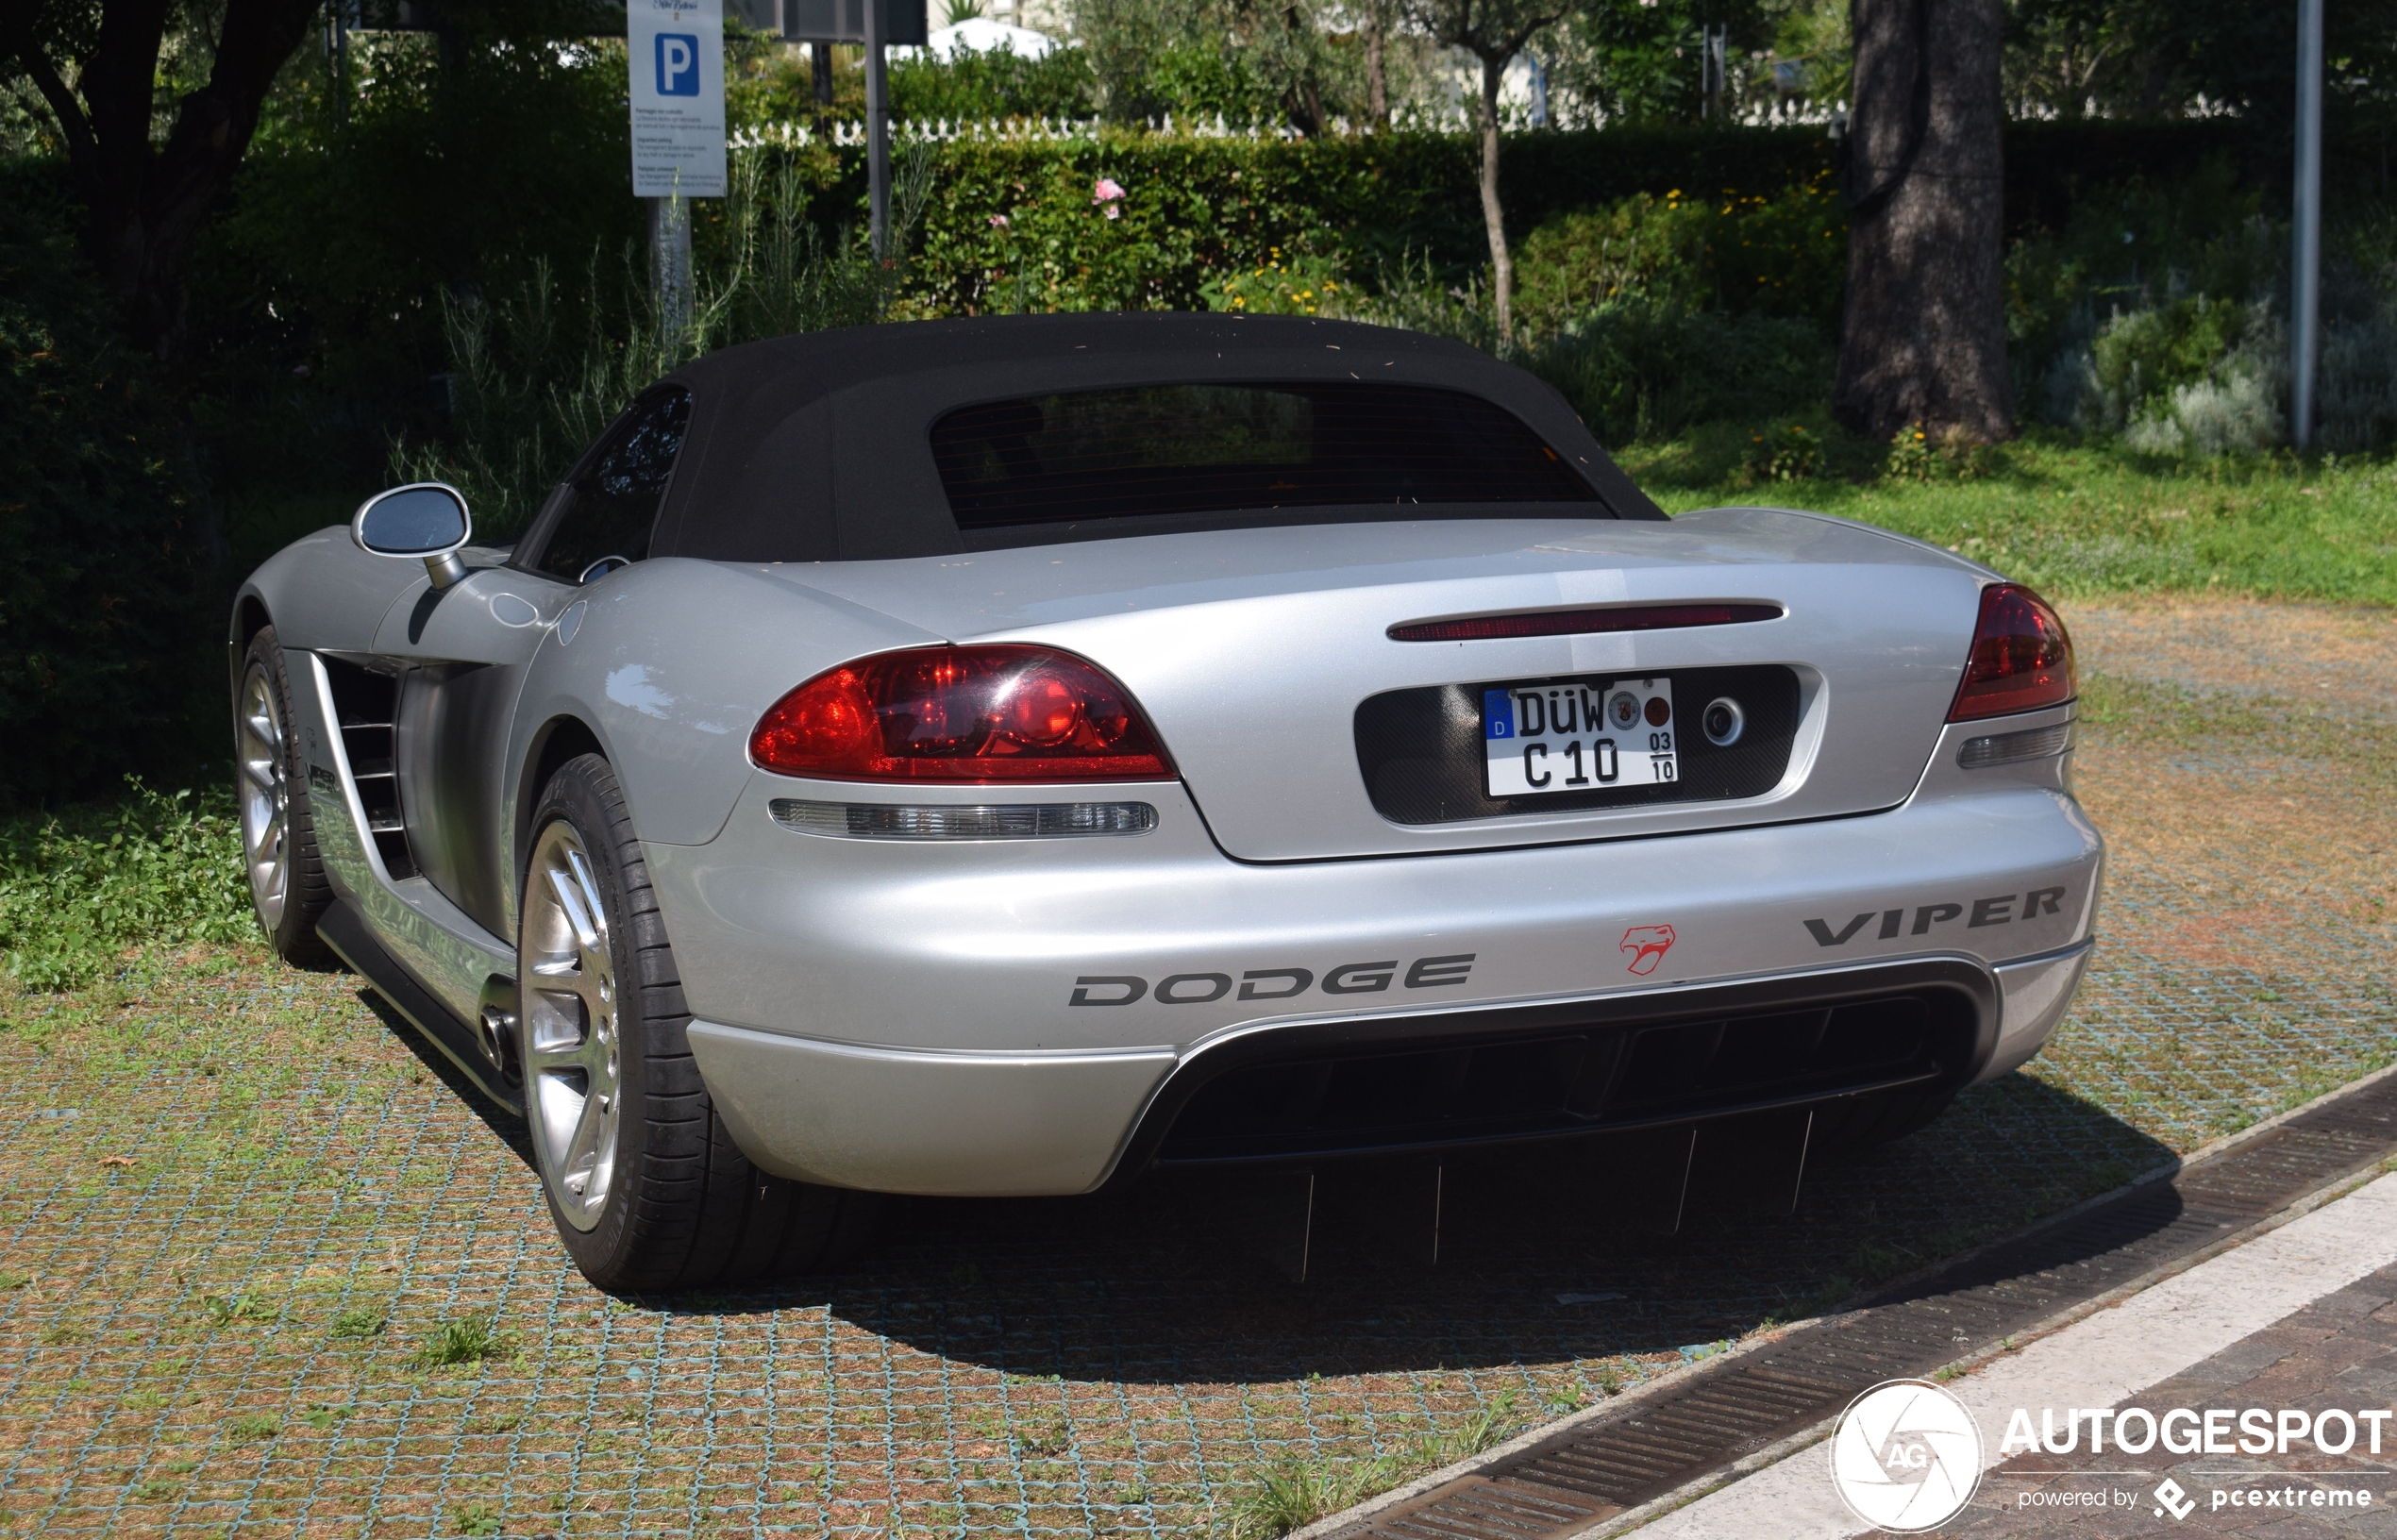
1923	329
1377	78
146	208
1493	217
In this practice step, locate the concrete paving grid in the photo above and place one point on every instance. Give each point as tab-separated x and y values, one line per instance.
220	1335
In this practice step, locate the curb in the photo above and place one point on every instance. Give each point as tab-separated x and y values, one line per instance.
1364	1512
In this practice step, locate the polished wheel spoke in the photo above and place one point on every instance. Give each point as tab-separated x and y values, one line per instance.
265	801
572	1056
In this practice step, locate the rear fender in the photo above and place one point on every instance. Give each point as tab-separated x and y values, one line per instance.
667	665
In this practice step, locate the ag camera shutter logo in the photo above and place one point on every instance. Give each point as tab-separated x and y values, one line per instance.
677	64
1906	1456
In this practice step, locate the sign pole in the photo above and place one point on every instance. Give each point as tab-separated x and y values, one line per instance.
877	126
675	61
670	264
2304	280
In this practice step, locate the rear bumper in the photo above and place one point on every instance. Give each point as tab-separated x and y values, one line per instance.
996	1124
1025	1017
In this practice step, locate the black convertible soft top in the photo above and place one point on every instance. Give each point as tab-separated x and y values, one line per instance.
818	447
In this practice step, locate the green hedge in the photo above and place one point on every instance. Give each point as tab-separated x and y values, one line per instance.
1195	207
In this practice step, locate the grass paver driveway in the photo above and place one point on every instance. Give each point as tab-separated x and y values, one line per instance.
263	1272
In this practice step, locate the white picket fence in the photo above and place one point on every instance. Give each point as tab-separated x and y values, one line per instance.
792	134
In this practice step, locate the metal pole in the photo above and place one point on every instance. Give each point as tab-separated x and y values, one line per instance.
2304	298
341	63
819	69
670	265
1712	69
877	126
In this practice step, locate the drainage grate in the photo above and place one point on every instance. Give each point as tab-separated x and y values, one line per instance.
1717	1416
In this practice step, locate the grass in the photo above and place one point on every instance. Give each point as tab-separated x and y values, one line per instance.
476	1519
2076	520
82	888
467	1341
1294	1493
221	1310
2363	749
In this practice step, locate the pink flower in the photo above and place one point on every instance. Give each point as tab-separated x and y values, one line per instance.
998	222
1114	211
1106	192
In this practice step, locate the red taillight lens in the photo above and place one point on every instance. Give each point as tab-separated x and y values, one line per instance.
2021	660
993	714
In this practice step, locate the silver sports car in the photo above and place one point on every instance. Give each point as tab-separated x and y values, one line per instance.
1009	756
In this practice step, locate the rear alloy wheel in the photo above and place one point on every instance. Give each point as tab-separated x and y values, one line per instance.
287	888
572	1050
645	1184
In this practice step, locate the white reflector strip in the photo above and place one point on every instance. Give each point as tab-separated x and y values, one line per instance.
2009	748
1020	821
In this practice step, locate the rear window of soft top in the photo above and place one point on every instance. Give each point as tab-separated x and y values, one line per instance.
1167	449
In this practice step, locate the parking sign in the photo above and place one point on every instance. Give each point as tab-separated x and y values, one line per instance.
677	64
676	52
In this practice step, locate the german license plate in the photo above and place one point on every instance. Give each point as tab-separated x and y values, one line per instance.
1581	735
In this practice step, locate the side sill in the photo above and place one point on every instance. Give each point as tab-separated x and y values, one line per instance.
345	932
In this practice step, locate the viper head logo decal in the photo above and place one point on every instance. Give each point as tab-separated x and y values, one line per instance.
1648	945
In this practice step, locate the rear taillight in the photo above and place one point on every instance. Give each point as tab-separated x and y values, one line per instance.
2021	660
990	713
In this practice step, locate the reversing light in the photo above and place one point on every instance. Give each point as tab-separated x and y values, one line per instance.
1014	821
1001	712
2014	747
2021	660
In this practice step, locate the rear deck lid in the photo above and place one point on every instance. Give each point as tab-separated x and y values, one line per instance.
1307	730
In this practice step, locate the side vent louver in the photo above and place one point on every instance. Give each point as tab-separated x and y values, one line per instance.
367	706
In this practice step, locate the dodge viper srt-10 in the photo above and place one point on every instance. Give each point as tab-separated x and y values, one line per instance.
1010	756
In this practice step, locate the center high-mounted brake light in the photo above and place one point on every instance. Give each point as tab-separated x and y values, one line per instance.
1639	617
2021	660
1003	712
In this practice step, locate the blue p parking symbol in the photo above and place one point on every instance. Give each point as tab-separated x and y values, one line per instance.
677	64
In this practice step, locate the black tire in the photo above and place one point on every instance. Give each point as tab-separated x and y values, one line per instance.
683	1207
1881	1117
290	927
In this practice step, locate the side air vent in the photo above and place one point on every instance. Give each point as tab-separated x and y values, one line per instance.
366	708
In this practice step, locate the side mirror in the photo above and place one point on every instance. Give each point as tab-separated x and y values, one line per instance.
427	519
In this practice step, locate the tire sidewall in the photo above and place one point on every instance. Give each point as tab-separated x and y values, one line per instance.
578	795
